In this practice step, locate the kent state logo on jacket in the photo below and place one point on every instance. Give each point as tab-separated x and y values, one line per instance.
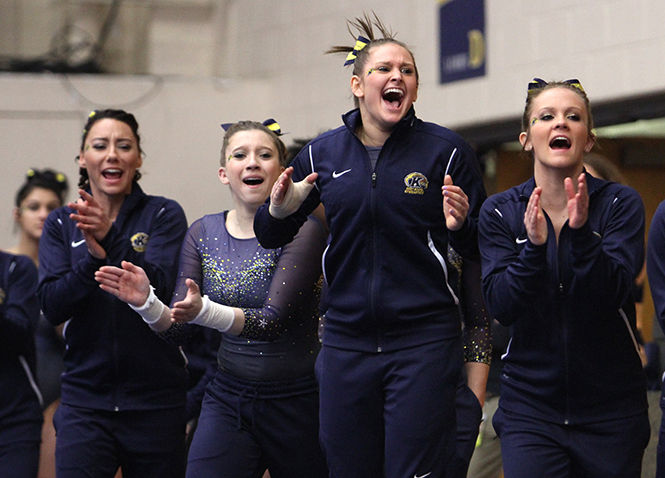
139	241
416	183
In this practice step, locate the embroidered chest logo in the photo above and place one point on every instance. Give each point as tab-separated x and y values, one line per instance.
2	296
416	183
139	241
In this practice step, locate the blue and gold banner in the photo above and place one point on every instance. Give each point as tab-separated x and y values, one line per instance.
462	39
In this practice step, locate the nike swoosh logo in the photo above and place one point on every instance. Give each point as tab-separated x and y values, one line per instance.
422	476
335	174
78	243
520	241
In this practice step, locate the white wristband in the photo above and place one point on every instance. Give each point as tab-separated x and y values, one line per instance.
293	199
154	312
214	315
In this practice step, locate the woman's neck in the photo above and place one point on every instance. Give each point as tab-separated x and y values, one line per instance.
240	222
370	135
551	180
27	246
553	196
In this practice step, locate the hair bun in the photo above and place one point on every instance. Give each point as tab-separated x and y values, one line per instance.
54	179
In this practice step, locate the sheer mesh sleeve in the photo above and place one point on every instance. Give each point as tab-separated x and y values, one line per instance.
294	285
189	267
190	261
477	334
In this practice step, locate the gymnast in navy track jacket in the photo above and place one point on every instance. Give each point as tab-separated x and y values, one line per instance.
123	390
391	353
560	254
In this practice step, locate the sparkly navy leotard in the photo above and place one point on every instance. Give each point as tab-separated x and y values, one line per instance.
277	289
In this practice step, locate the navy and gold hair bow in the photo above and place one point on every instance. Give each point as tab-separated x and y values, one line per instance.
361	42
575	83
273	126
539	83
270	123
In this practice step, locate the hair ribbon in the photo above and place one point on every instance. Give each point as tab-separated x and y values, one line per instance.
536	84
270	123
273	126
539	83
575	83
361	42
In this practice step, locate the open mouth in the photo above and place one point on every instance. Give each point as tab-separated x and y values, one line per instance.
393	96
253	181
560	142
112	173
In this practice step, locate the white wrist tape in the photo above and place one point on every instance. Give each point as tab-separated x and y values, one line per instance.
214	315
294	197
154	312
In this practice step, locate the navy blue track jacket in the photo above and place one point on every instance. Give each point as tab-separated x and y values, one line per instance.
572	356
19	312
390	282
113	360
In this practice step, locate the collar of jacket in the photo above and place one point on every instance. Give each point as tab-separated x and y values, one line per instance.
132	201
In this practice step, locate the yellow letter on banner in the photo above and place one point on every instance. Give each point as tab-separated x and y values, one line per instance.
476	48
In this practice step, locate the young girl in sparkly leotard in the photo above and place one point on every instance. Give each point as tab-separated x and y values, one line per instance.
261	409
